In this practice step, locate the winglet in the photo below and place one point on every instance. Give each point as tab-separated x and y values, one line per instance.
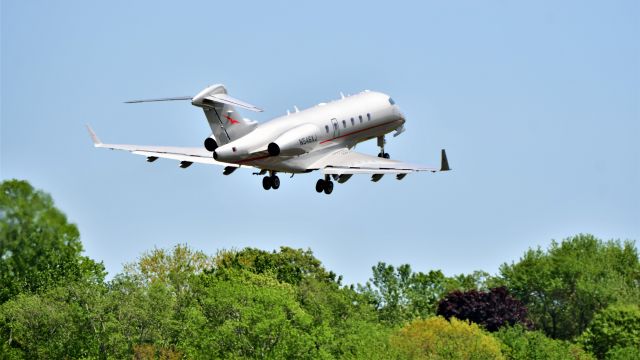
94	137
444	163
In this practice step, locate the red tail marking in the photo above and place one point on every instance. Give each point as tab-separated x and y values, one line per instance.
231	120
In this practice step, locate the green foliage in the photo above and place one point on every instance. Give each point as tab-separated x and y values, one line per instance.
437	338
38	247
345	324
65	321
139	315
350	322
615	327
400	294
288	265
520	344
564	286
248	315
624	353
172	269
250	303
171	304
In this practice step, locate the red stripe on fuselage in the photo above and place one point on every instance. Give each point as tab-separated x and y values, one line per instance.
359	131
253	159
322	142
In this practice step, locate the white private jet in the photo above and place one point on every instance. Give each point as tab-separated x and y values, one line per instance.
318	138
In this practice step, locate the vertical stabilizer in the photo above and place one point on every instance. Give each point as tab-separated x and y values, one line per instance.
220	109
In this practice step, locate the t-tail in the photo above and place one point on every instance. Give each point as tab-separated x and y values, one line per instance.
220	109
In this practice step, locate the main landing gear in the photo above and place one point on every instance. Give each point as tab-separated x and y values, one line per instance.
271	181
381	142
325	185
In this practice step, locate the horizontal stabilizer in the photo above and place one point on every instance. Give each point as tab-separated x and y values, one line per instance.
207	98
226	99
178	98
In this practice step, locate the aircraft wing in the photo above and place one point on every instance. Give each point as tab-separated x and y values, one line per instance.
186	155
346	162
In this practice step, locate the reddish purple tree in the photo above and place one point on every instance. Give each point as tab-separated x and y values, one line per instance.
491	309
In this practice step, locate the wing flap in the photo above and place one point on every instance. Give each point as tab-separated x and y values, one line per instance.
183	157
182	154
353	171
344	162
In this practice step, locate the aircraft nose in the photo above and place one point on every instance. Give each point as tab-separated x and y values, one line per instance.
396	110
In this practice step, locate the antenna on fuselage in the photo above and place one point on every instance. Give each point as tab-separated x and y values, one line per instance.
288	112
341	95
295	107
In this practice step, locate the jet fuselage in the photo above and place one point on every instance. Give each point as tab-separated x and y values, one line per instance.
302	136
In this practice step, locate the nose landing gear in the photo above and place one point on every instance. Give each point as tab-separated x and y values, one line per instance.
381	142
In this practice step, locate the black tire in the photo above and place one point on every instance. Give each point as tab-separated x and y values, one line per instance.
320	185
275	182
266	183
386	156
380	154
328	187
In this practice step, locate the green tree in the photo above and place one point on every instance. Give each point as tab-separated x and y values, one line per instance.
149	302
39	248
564	286
287	265
239	314
350	324
140	315
437	338
617	326
171	268
63	322
343	322
521	344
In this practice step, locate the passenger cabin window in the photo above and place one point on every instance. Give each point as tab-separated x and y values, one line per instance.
326	127
335	126
368	117
344	124
391	101
352	122
360	117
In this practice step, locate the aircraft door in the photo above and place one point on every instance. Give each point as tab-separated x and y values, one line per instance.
336	127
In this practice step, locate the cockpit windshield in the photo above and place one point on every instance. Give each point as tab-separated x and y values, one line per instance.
391	101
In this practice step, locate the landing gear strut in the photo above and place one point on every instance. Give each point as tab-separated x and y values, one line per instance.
381	142
325	185
271	181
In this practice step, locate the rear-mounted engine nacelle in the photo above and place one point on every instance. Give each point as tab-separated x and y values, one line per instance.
210	144
296	141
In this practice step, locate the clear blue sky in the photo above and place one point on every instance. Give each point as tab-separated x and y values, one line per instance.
537	104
